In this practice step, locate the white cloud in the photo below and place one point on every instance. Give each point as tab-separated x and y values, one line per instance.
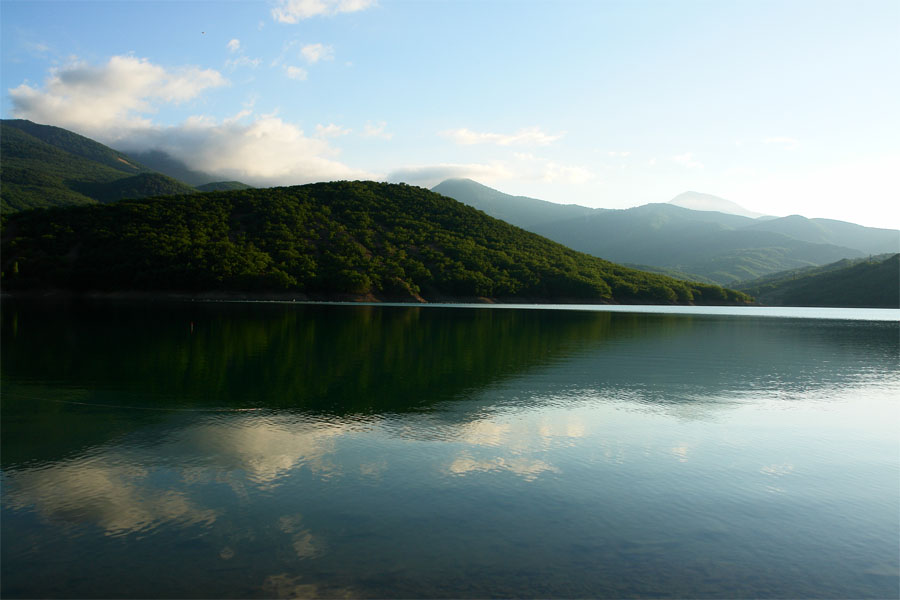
687	160
112	495
550	171
619	154
331	130
243	61
298	73
558	173
788	143
313	53
114	103
529	136
293	11
234	45
100	98
377	130
264	151
37	47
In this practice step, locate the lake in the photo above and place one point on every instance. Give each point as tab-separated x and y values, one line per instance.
201	450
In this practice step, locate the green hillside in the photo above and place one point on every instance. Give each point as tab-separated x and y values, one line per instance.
43	166
870	282
136	186
77	145
393	241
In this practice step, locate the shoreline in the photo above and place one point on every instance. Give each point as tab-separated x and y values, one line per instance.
300	297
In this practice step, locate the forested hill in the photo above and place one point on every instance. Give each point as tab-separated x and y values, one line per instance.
363	238
871	282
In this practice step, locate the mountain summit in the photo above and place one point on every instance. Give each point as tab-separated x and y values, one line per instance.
698	201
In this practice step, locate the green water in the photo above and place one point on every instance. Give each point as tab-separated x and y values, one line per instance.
282	450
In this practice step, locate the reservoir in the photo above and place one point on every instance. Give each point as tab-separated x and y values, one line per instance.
201	450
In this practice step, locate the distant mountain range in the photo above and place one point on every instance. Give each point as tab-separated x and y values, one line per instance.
45	166
704	245
867	282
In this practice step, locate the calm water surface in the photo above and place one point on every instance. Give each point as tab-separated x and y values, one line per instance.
280	450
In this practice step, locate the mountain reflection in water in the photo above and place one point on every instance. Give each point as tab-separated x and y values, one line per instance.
282	450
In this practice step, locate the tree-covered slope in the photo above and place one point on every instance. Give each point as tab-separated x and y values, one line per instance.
77	145
43	166
330	238
143	185
223	186
869	282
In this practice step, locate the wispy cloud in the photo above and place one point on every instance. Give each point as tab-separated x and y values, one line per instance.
529	136
313	53
377	130
294	11
530	167
687	160
243	61
618	154
298	73
330	131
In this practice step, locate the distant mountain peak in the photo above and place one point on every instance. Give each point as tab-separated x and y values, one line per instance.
698	201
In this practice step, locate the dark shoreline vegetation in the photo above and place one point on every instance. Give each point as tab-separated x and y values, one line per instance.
339	240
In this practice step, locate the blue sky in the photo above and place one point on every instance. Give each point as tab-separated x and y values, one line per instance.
784	107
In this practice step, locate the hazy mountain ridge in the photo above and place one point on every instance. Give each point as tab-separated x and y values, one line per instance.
869	282
519	210
698	201
725	248
164	163
360	238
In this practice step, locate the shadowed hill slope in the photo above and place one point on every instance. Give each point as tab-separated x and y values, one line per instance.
872	282
44	166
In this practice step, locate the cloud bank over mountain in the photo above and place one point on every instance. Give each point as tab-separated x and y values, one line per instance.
116	102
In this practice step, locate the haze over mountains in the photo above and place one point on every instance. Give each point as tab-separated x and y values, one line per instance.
711	245
724	244
698	201
49	166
